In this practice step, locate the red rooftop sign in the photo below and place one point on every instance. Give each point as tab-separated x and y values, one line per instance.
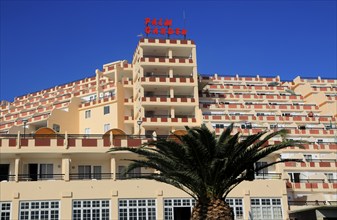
162	27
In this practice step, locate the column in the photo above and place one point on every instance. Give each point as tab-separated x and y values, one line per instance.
171	72
170	53
66	168
17	169
171	92
113	168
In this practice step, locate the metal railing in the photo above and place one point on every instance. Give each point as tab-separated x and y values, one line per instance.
6	178
268	176
38	177
311	203
121	176
86	176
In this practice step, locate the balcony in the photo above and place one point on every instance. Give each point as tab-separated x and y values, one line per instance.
165	80
166	61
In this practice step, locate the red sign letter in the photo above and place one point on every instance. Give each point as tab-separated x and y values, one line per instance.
147	21
160	22
170	31
155	31
147	30
168	22
163	31
183	31
154	22
177	31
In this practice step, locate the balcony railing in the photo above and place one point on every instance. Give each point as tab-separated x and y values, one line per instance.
38	177
5	178
86	176
312	203
121	176
268	176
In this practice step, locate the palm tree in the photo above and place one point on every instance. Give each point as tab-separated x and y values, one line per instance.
205	166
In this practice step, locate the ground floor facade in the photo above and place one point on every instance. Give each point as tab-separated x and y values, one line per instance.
130	199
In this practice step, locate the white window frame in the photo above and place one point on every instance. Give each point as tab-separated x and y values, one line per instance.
5	210
237	205
140	209
258	208
106	127
171	203
86	209
38	208
87	131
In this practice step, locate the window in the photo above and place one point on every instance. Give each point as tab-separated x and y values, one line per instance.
294	177
46	171
34	172
133	173
5	210
329	176
89	172
308	157
91	209
86	130
171	205
56	127
237	206
263	171
137	209
42	210
87	114
106	110
106	127
266	208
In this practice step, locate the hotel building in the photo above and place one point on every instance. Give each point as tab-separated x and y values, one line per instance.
53	143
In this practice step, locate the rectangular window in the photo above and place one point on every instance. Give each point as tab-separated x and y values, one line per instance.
137	209
56	127
308	157
86	130
106	127
106	110
237	205
5	210
262	172
172	206
91	209
266	208
87	114
89	172
46	171
42	210
295	177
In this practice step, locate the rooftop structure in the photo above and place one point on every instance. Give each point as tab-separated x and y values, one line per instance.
53	142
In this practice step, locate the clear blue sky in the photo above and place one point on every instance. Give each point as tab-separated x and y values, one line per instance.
47	43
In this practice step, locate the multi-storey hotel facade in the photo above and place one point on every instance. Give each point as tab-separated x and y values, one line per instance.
54	162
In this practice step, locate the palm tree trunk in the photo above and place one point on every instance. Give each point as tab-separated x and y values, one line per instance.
215	209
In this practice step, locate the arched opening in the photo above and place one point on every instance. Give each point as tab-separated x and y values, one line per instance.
45	132
116	132
176	133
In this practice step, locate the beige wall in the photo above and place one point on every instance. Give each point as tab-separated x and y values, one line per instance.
68	120
98	119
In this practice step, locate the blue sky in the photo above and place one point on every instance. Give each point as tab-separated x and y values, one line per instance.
47	43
